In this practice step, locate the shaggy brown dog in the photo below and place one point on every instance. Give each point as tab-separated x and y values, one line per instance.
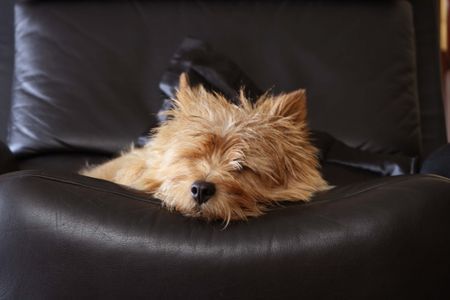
217	160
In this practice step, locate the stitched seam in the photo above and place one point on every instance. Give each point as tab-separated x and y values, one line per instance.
89	187
156	202
376	187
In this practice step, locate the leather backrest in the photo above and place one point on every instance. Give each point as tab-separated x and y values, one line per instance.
86	74
6	62
429	75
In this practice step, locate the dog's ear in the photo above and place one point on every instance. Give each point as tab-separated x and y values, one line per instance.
185	94
291	105
183	82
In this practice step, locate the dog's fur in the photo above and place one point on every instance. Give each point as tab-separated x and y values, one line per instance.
255	154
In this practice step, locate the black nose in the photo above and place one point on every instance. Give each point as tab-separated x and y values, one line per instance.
202	191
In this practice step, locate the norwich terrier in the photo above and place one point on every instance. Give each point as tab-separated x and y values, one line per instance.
219	161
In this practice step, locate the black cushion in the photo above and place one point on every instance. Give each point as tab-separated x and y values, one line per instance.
87	77
207	67
75	237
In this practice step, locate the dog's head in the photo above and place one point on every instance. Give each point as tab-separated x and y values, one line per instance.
217	160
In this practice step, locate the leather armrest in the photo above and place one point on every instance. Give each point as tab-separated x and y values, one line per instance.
438	162
66	235
7	161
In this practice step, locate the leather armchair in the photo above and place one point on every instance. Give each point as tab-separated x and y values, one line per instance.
85	85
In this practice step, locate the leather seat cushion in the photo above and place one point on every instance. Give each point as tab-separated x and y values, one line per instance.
379	239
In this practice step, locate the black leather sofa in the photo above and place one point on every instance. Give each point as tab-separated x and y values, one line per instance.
82	83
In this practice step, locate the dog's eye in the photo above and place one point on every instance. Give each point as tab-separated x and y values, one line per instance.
245	168
240	167
236	165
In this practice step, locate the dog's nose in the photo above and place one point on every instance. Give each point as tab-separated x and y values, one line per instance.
202	191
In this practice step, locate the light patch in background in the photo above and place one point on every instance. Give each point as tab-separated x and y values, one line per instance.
444	50
444	16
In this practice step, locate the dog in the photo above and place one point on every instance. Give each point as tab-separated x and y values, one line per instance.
216	160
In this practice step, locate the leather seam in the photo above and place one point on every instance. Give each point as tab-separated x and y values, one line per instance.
158	202
376	187
70	182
